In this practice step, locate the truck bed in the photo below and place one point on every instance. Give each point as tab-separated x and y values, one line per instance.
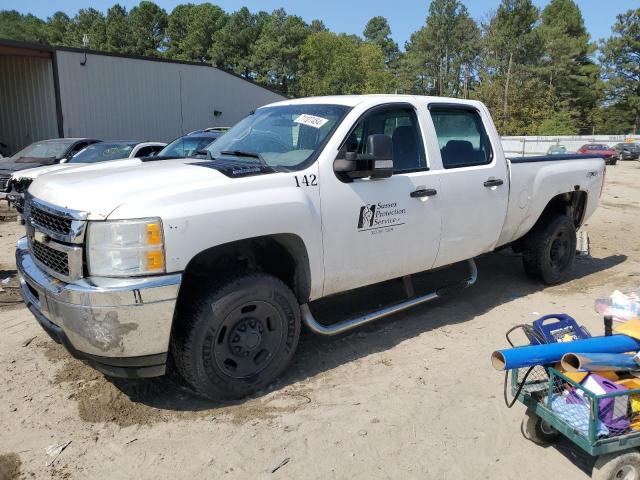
536	180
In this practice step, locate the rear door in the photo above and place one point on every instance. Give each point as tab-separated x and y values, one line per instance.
474	182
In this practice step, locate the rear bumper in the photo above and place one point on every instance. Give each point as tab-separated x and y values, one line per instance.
119	326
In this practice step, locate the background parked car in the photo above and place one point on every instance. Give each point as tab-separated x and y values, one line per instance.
627	151
605	151
557	150
38	154
190	144
94	153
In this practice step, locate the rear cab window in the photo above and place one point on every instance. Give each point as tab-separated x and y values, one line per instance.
462	138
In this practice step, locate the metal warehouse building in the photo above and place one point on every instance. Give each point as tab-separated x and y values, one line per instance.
48	92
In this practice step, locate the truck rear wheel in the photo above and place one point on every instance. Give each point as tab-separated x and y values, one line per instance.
238	338
550	249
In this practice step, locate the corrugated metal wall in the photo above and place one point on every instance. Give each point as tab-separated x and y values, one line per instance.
122	98
27	101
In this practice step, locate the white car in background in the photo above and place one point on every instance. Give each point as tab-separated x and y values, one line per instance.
94	153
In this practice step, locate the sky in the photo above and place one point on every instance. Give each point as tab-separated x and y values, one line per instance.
349	16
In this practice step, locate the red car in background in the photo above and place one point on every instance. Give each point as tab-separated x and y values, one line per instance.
605	151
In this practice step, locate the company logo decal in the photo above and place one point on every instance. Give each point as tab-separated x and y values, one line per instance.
375	216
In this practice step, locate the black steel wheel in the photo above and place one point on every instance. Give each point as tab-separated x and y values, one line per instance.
248	338
238	338
550	249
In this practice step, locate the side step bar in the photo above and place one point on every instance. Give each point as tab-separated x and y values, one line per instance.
340	327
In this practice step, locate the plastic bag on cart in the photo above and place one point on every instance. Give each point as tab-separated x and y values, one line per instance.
621	306
575	412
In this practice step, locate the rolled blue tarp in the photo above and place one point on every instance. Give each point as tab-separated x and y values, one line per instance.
598	362
530	355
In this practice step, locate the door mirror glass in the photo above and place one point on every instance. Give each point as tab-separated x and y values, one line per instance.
377	162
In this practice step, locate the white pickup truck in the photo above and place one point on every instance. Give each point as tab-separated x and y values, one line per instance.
216	262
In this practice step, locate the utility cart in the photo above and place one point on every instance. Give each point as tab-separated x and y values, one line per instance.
605	426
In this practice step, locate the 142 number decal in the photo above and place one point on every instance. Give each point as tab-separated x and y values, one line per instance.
306	181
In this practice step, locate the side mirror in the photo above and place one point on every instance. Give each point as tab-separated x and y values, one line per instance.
376	163
380	147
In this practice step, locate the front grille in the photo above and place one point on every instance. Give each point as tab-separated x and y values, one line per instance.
4	182
51	222
55	260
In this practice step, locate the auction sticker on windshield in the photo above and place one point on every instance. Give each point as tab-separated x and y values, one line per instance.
311	120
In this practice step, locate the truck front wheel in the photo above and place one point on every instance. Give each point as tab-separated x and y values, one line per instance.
238	337
550	249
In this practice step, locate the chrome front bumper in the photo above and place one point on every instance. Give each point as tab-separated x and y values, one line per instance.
120	326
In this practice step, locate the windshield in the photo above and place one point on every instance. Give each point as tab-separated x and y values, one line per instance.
186	146
283	136
100	152
596	147
44	150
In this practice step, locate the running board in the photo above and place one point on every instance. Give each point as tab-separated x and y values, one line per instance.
340	327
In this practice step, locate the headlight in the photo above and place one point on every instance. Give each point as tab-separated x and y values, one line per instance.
123	248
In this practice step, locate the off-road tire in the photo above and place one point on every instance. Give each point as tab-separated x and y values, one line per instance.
537	430
544	244
617	466
270	315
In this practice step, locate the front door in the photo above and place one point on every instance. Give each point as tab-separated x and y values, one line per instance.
375	230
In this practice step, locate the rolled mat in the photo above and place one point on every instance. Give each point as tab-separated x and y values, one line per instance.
598	362
530	355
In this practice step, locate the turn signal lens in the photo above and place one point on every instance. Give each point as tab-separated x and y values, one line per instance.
154	233
155	260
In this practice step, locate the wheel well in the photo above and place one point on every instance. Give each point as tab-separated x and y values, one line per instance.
284	256
573	204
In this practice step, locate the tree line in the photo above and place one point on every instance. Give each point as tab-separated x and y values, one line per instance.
538	70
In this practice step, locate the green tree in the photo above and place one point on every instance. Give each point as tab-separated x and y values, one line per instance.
440	57
191	30
342	64
276	53
24	28
232	45
59	27
118	31
510	73
560	123
148	24
620	58
613	119
567	67
317	26
91	22
378	32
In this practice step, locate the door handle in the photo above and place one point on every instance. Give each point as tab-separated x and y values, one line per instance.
493	182
423	192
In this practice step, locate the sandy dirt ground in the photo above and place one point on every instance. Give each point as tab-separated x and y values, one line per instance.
412	396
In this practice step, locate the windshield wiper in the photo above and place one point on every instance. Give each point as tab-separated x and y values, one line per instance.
244	153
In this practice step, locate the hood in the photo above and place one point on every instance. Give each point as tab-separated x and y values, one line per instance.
11	164
102	189
70	167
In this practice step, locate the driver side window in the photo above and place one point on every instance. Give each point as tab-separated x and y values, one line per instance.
401	125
